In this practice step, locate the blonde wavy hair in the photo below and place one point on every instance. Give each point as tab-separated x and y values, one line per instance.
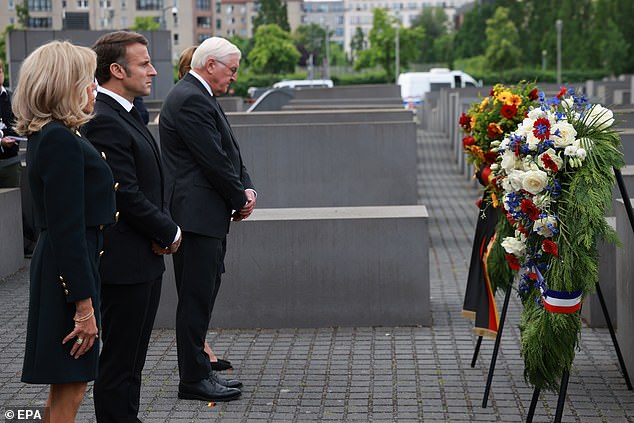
52	85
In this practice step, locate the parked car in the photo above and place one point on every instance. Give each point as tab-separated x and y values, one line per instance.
414	85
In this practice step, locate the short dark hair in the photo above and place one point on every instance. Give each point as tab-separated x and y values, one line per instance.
111	48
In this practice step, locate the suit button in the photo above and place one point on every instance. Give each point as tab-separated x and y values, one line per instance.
100	253
66	291
103	155
61	278
116	186
116	217
64	284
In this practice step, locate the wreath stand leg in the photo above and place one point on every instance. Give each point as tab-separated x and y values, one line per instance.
496	348
531	409
476	351
606	315
562	395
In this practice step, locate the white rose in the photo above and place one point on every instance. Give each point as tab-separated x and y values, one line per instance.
568	103
545	226
516	178
532	141
534	114
514	246
563	134
581	153
553	155
571	150
508	160
534	181
600	117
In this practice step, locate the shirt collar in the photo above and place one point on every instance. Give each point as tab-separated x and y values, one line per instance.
202	81
122	101
3	90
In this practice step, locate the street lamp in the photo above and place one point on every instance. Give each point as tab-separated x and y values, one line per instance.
559	26
544	53
165	9
327	53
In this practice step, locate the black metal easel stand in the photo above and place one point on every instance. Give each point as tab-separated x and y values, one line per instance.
476	351
561	400
496	348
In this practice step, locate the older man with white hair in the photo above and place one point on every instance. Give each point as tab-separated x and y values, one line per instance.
207	187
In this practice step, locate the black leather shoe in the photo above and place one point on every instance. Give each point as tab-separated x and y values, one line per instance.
206	390
231	383
221	365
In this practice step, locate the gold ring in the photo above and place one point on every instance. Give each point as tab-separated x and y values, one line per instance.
79	341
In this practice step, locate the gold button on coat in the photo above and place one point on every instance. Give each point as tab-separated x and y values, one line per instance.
103	155
116	186
100	253
116	216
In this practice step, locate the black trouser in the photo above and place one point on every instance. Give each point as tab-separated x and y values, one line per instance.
198	264
127	318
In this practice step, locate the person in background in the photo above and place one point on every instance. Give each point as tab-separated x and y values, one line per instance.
208	186
139	104
9	146
131	271
73	200
184	65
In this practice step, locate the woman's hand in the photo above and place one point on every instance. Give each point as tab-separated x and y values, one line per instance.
85	332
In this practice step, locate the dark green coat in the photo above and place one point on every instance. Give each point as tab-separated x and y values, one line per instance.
73	199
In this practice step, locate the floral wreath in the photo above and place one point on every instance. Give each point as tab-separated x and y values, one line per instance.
556	175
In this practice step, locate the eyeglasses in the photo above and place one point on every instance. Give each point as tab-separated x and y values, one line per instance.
233	70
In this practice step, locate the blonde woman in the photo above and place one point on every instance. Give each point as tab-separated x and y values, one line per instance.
73	199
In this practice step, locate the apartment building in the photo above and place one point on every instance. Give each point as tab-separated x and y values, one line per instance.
191	21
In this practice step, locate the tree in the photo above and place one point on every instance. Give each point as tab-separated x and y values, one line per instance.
470	39
145	23
433	22
22	13
357	43
503	51
311	39
245	45
274	51
382	38
272	12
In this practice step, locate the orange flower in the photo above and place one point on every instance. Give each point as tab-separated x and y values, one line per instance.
494	130
504	96
514	100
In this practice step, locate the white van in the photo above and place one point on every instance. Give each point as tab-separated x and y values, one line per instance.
304	83
414	85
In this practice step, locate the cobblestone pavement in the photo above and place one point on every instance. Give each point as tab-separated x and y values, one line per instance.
362	374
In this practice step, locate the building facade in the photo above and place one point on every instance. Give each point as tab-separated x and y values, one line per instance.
191	21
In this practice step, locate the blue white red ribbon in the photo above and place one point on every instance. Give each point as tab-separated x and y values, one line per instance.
559	301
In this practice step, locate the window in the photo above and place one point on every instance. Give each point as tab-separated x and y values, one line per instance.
40	22
218	8
229	9
203	22
149	4
124	22
82	4
175	38
40	6
203	4
105	4
11	5
203	37
218	23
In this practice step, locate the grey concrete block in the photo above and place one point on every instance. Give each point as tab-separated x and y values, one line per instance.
625	285
320	267
11	247
591	311
321	116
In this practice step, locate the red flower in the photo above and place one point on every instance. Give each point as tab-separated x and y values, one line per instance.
530	209
532	276
467	141
541	129
562	92
522	229
491	93
533	95
490	156
465	121
549	163
494	130
509	112
550	247
514	263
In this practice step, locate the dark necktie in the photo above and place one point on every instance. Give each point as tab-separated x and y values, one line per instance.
135	114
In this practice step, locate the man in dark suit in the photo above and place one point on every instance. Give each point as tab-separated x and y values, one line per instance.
207	184
131	271
9	146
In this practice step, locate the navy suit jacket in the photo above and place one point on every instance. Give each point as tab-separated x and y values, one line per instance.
205	175
134	158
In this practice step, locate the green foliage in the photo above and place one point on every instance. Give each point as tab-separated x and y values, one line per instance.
22	13
145	23
273	52
272	12
361	78
433	23
311	39
357	43
569	76
500	273
470	38
245	45
502	42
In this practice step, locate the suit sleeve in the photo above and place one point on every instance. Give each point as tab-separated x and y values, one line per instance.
107	134
62	171
204	140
